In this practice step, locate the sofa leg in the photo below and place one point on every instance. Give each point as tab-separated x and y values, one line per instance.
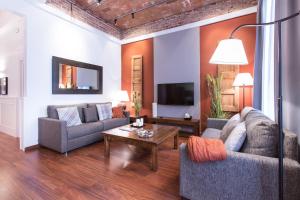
66	154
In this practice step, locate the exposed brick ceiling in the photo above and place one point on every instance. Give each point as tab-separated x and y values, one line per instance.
162	14
112	9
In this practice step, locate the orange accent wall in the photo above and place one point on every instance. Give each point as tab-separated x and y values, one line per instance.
210	35
144	48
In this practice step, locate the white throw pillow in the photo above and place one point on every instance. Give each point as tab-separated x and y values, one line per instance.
104	111
229	126
237	137
235	117
70	115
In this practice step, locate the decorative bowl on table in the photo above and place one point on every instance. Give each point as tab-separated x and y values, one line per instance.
143	133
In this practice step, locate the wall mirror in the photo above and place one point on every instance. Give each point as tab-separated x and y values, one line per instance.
73	77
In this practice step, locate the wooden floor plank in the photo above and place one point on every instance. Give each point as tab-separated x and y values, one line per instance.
87	174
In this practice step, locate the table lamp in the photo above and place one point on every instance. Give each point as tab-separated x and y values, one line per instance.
122	97
243	80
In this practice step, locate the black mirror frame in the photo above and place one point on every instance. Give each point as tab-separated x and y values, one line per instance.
56	61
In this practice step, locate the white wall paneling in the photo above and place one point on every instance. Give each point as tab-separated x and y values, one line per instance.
9	116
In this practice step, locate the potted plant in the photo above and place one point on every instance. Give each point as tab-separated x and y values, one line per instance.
217	115
137	105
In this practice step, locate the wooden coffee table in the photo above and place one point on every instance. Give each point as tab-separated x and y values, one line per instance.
161	134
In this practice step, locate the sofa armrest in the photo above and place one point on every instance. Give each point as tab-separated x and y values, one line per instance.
216	123
240	176
127	115
53	134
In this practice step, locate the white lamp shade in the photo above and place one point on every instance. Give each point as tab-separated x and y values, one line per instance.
229	52
121	95
243	79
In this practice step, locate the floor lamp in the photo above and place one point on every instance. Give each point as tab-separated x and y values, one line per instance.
231	52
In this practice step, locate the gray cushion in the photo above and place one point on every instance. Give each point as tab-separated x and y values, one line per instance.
52	112
90	114
114	122
84	129
90	105
245	112
211	133
229	126
290	145
262	135
85	140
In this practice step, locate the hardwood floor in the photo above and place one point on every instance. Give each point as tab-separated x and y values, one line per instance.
87	174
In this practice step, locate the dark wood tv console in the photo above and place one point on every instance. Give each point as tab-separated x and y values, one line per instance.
193	123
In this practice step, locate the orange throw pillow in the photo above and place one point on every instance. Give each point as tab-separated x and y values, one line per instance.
204	149
118	112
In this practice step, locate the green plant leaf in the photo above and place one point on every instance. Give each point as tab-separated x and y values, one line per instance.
214	91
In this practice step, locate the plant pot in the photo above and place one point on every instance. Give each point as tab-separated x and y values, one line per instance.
216	123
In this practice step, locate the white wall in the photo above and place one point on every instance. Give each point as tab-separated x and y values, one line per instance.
11	50
48	35
12	40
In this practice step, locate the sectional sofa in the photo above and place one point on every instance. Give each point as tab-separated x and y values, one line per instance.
54	133
247	174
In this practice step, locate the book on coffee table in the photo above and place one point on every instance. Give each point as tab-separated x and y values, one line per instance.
127	128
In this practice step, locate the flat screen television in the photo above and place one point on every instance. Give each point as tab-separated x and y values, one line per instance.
175	94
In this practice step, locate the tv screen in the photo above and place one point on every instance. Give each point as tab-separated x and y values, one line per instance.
175	94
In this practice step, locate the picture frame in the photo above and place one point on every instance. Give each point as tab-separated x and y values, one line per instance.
4	86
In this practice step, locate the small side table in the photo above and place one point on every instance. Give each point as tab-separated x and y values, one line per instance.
133	118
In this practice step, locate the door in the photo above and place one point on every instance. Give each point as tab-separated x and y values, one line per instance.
230	94
137	78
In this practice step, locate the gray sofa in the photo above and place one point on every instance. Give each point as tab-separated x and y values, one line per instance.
242	175
54	134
